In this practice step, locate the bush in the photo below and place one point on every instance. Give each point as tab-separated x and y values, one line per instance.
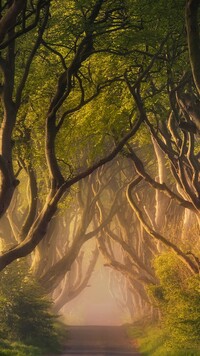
24	310
177	295
178	298
18	349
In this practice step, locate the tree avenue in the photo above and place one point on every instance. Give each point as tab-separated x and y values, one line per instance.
35	25
100	122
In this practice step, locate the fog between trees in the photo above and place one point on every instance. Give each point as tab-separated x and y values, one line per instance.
100	117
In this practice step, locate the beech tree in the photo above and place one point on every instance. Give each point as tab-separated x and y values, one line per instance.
175	146
171	133
26	29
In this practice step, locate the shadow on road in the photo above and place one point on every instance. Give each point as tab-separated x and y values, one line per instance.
98	341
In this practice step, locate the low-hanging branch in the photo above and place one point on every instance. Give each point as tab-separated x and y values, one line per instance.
156	185
52	277
131	253
184	257
129	250
132	276
67	293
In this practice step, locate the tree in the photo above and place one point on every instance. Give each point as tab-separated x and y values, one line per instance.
32	25
130	72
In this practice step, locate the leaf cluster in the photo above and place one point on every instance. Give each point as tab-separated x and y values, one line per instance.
24	310
178	298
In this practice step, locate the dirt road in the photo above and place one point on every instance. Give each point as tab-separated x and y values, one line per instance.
98	341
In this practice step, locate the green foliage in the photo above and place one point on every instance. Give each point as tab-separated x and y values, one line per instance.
87	133
153	341
24	310
178	298
18	349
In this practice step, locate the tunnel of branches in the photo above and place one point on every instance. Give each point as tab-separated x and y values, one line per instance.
99	144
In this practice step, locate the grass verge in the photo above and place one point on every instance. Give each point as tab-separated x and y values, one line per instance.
15	348
152	340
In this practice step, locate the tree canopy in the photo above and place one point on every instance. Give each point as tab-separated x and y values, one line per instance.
99	137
